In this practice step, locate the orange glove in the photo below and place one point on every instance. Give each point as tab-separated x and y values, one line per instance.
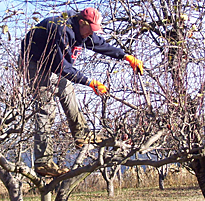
98	87
136	64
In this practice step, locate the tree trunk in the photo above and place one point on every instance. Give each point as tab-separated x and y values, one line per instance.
110	188
68	186
46	197
161	181
14	186
199	168
119	176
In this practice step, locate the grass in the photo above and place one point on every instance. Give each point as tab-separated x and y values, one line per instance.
142	194
135	194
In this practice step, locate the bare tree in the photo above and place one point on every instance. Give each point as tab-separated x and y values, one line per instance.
109	174
13	184
168	36
160	113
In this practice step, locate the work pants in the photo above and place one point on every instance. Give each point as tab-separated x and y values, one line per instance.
45	86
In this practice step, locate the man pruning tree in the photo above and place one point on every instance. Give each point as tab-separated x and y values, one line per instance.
48	52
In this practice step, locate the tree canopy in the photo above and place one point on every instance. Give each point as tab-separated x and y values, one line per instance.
159	114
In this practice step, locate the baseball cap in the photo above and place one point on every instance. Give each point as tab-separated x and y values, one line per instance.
94	18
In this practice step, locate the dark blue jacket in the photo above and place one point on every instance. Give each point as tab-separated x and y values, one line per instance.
56	42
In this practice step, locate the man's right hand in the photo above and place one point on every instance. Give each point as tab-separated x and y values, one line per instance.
136	64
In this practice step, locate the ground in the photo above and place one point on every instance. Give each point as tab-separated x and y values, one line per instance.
144	194
135	194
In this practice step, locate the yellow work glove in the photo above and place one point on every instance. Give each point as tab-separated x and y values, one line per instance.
136	64
98	87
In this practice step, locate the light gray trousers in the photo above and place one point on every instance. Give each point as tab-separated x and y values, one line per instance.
45	86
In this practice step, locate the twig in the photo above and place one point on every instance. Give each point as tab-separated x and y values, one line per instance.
124	102
147	98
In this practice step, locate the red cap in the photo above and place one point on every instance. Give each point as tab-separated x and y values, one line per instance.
94	18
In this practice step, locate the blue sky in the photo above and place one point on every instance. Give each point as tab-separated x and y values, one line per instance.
20	15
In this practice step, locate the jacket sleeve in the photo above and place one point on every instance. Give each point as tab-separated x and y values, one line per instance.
72	73
99	45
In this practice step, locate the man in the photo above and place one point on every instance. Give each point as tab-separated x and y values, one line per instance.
49	52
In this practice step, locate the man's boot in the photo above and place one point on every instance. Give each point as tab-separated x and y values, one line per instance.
89	138
50	169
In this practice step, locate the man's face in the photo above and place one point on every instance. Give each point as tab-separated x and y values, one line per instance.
85	29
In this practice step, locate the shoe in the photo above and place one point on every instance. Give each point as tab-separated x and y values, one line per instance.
89	138
50	169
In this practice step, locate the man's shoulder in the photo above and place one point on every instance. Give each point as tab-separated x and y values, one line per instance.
71	13
58	18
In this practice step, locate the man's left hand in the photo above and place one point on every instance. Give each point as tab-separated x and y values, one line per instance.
98	87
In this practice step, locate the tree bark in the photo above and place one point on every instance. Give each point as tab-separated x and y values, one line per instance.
110	188
46	197
109	177
68	186
161	181
199	168
13	185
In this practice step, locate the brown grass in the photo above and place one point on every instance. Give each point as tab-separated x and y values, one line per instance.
142	194
147	179
178	186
